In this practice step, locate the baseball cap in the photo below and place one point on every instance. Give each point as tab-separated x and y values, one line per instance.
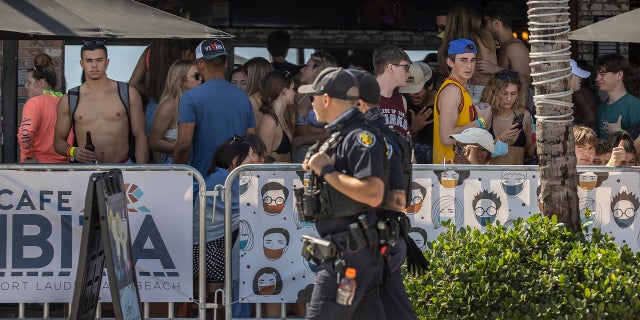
420	73
477	136
209	49
369	87
336	82
577	71
462	45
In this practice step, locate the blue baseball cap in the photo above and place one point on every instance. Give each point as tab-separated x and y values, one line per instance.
462	45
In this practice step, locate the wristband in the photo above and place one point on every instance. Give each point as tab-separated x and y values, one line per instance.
481	123
72	152
327	169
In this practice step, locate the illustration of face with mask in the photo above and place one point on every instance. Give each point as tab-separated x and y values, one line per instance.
587	181
513	183
274	195
245	182
267	282
418	193
589	211
275	243
485	207
245	236
623	208
447	208
419	236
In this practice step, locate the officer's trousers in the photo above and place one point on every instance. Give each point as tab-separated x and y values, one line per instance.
393	293
369	270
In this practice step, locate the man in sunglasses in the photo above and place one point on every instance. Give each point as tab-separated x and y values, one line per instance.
391	65
454	109
118	133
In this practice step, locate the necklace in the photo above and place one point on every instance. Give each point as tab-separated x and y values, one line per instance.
503	119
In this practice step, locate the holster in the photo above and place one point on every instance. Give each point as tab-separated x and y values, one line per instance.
317	249
312	202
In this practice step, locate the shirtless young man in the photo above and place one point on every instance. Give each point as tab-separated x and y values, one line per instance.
513	53
101	111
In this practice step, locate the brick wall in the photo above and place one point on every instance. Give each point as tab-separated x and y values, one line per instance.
27	51
587	11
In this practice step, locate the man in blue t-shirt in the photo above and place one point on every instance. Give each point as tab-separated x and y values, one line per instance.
621	110
212	112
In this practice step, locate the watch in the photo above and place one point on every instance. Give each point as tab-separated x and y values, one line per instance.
327	169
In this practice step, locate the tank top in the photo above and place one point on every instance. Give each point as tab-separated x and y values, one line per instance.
466	114
394	115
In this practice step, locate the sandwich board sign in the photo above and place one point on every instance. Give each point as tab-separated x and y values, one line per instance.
106	240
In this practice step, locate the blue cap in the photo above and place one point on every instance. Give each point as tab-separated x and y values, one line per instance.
462	45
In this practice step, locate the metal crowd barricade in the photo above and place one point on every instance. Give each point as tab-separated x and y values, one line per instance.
516	186
202	194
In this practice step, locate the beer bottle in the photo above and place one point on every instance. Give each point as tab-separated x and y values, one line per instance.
89	146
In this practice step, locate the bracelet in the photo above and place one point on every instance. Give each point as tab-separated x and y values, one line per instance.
71	152
481	123
68	149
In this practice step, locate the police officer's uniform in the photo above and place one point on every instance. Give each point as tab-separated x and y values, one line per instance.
392	224
349	225
393	293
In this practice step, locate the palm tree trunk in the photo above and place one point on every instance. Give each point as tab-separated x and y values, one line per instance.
550	53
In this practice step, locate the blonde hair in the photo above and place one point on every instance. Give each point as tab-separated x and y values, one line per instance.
173	90
256	69
584	135
499	81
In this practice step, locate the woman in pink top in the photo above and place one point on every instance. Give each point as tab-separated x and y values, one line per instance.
36	130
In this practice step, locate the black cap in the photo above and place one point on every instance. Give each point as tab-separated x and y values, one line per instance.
336	82
369	87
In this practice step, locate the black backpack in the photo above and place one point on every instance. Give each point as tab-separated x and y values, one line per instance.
123	91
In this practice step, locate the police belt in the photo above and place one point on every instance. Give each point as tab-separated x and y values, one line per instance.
391	225
331	245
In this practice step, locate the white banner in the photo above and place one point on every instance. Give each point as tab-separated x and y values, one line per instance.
40	229
271	266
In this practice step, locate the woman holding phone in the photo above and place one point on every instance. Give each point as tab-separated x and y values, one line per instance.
511	120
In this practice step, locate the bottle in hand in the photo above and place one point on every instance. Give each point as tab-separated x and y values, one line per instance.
347	287
89	146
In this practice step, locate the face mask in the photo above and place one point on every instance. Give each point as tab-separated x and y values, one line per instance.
500	149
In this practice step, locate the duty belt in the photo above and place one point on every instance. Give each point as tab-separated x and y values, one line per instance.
357	238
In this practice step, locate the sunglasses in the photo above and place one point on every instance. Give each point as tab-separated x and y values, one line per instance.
507	74
94	42
440	27
406	66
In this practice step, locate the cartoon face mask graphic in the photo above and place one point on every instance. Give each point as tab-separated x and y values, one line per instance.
267	284
485	212
273	202
624	213
587	181
449	179
419	236
418	193
245	182
275	243
245	236
513	183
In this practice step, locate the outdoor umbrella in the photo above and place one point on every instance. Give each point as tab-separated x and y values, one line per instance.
125	19
620	28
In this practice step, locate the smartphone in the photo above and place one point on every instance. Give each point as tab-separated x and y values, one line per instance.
518	120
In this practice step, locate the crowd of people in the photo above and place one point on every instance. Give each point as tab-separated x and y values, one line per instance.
185	105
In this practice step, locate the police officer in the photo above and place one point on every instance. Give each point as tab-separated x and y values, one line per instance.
350	171
393	293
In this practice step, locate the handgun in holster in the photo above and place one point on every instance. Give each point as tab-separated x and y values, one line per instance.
317	249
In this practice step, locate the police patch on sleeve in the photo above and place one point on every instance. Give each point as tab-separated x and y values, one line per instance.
366	138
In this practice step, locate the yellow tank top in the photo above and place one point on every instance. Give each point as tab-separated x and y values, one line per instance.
466	114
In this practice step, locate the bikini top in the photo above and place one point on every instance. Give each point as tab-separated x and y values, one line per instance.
522	139
285	143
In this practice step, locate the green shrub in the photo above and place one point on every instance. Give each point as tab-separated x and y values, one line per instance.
534	270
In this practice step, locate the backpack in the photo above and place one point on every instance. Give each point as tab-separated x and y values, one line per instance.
123	91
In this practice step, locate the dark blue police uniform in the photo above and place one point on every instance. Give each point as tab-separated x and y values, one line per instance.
393	293
360	153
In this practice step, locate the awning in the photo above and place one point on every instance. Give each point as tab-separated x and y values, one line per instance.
620	28
64	19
